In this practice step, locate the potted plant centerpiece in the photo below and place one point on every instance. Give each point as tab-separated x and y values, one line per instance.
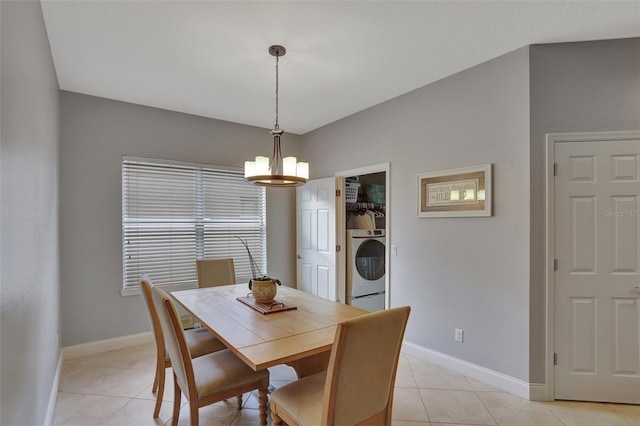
263	288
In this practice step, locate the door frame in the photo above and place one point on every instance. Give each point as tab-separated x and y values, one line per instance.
551	140
341	214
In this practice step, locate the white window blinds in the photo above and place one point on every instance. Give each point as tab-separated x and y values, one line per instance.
175	213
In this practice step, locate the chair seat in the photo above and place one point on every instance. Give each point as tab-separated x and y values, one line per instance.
304	397
201	341
222	370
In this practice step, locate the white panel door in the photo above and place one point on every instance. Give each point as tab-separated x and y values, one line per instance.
597	283
316	237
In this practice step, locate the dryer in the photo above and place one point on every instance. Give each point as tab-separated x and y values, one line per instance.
366	268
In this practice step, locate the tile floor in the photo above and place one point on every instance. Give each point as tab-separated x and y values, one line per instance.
114	388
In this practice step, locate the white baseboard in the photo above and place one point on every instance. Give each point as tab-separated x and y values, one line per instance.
53	396
531	391
492	378
91	348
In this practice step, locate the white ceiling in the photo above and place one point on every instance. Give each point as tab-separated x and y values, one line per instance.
210	58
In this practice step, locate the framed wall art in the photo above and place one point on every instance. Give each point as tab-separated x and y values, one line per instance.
462	192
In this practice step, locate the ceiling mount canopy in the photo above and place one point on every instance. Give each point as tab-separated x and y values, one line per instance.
279	172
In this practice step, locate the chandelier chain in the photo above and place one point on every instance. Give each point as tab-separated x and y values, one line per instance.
277	60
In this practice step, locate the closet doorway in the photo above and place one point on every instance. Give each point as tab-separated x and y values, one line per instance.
363	204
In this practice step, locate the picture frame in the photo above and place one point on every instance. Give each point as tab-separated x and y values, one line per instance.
461	192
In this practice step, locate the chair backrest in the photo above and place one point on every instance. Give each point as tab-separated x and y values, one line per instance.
362	368
175	341
145	287
215	272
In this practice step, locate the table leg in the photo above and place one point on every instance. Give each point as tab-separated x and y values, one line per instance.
311	365
262	405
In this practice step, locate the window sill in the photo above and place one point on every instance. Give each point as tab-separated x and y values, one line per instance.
132	291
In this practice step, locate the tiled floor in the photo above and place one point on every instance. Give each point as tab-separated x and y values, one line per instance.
114	388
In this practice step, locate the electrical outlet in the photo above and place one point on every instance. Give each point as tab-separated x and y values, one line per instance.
459	335
394	250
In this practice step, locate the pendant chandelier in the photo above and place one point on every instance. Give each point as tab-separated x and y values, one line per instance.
279	172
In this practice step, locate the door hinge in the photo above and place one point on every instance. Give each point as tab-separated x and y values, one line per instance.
555	169
337	248
555	358
337	192
555	264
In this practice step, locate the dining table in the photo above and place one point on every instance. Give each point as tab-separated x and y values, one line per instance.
301	335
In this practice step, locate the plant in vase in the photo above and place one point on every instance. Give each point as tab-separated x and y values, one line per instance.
263	288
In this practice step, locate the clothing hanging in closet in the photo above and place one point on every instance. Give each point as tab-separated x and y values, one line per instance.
365	216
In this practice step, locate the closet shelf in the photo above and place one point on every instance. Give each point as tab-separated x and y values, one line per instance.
365	206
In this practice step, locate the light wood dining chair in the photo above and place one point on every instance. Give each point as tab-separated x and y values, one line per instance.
215	272
200	342
357	388
207	379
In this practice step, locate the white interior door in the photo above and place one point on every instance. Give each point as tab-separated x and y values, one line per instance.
597	283
316	237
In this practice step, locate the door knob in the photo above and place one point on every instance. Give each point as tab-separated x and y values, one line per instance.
636	289
299	257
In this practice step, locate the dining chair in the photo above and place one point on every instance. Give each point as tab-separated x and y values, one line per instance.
215	272
207	379
200	342
357	388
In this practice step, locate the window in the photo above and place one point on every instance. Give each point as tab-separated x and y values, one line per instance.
174	213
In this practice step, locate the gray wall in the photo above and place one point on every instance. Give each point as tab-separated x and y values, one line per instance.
484	275
96	133
575	87
469	273
29	230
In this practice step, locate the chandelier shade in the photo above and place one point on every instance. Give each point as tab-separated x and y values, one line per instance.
277	171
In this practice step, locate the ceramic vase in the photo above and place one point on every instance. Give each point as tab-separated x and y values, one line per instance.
264	291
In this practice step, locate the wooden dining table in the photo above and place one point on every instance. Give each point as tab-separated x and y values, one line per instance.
300	337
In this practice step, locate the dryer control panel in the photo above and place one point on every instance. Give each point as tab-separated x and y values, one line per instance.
365	233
